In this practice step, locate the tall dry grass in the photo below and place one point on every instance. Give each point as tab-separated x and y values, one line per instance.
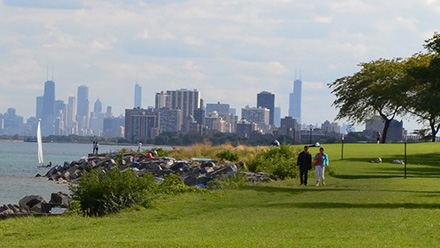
209	151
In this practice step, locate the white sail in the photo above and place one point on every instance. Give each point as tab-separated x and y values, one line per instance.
40	144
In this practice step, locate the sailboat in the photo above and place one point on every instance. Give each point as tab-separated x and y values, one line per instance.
40	144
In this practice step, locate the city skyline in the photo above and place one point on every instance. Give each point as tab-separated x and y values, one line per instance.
229	51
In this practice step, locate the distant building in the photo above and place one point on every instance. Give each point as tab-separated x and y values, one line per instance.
170	120
277	117
71	112
267	100
225	112
215	122
199	117
396	132
246	128
141	124
82	109
295	101
260	116
328	127
49	98
220	108
291	128
39	107
137	96
113	127
186	100
108	112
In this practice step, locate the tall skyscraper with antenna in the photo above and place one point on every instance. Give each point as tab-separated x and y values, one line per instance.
295	101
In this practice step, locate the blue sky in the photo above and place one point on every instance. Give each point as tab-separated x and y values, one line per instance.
229	50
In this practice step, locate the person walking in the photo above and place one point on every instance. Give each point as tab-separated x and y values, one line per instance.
305	164
378	136
320	161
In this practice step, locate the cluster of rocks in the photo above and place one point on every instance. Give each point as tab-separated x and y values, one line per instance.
36	205
192	172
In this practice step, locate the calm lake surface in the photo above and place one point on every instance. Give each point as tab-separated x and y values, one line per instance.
18	167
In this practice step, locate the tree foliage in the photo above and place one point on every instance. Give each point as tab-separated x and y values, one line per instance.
376	89
423	72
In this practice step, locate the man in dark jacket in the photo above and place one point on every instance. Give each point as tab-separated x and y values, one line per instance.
305	164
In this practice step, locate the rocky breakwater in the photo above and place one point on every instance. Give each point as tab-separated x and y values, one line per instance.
192	172
36	205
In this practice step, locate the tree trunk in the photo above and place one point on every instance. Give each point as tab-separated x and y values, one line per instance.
385	130
433	130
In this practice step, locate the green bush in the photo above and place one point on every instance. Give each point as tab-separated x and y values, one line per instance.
280	162
227	155
161	152
172	185
102	193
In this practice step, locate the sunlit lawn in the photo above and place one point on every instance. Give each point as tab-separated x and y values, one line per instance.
363	205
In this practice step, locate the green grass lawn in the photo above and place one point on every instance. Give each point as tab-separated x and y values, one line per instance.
363	205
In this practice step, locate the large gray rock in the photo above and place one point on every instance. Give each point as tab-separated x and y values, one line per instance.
60	199
30	201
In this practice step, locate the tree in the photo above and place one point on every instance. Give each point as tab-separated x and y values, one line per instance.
423	72
376	89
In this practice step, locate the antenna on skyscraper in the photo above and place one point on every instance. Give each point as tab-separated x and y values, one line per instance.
47	72
300	75
53	69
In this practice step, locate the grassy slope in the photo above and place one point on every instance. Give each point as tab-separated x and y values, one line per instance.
364	205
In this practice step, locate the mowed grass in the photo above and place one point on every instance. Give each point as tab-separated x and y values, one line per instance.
363	205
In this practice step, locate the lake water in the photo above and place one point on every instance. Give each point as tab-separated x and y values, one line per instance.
18	167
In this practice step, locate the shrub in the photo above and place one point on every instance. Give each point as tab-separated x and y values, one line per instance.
227	155
102	192
279	161
172	185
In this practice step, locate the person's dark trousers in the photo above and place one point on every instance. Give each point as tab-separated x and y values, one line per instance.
303	176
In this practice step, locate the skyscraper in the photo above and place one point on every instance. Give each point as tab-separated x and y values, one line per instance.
267	100
295	101
82	110
137	96
49	99
71	111
98	107
39	110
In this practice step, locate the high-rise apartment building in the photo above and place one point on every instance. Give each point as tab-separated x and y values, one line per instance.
295	101
267	100
137	96
82	109
141	124
162	100
170	120
186	100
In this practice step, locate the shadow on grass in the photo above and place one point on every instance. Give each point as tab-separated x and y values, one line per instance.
336	205
426	159
271	189
367	176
